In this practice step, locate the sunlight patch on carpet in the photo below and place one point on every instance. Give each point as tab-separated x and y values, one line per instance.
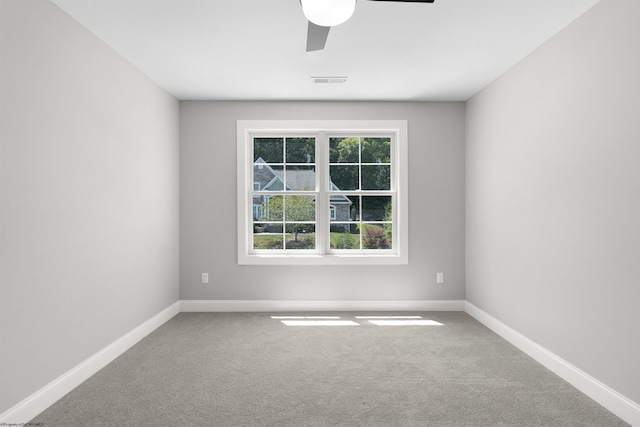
388	317
320	323
305	317
416	322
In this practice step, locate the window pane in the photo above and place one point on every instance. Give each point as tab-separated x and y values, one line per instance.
268	149
300	236
344	177
376	236
272	210
376	150
267	236
258	207
345	236
344	150
376	208
376	177
267	177
300	208
301	178
347	208
301	150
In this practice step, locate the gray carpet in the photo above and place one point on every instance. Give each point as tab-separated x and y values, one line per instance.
247	369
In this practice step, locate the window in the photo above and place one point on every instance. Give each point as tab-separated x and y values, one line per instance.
322	192
258	212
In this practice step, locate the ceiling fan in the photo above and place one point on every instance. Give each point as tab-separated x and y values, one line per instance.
324	14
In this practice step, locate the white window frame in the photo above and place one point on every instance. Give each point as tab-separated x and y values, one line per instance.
322	255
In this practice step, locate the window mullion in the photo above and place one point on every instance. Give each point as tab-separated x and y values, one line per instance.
322	183
360	222
360	163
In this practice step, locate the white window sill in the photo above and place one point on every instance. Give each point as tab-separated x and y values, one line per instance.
326	259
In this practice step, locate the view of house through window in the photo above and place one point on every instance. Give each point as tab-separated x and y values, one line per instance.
320	193
284	221
285	193
361	164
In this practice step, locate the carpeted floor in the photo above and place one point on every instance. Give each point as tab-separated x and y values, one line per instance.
248	369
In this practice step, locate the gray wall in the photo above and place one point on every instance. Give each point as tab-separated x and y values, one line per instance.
208	239
553	196
89	191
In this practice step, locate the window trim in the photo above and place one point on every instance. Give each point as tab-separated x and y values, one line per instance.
245	130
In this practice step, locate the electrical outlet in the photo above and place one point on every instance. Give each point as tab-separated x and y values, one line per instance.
205	277
439	277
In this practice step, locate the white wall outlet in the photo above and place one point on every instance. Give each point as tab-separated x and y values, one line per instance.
440	277
205	277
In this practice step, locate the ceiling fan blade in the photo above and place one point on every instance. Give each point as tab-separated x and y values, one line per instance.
316	36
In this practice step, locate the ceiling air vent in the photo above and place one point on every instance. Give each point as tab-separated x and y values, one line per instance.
332	79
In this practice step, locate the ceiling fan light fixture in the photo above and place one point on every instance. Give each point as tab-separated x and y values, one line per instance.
328	13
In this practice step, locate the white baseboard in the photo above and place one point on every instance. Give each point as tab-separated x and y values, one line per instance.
33	405
618	404
286	305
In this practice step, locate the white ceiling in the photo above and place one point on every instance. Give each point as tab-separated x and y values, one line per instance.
255	49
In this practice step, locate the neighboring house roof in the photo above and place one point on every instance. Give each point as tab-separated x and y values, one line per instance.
298	179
